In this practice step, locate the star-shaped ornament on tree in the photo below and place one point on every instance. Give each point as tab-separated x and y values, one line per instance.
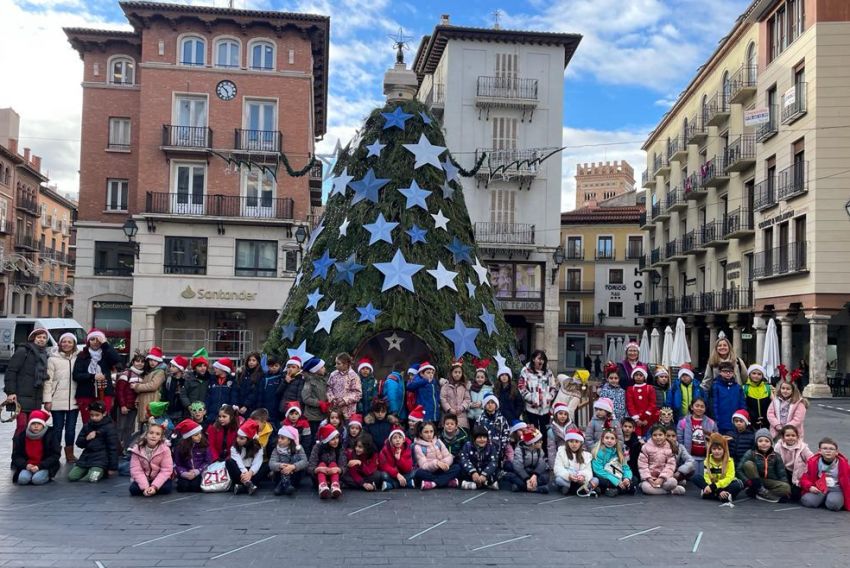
322	264
343	228
425	118
398	272
450	169
440	220
327	317
315	234
288	331
489	321
460	251
347	270
368	187
445	278
300	352
313	299
340	183
417	234
395	119
470	288
500	360
448	192
481	271
375	148
368	313
415	196
381	230
394	342
463	338
425	152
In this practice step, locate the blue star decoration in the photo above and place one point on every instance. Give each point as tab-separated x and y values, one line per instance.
417	234
313	299
396	118
425	118
300	351
380	230
347	270
470	288
321	265
463	338
398	272
375	148
415	195
460	252
340	183
489	320
368	313
288	331
450	169
368	187
448	192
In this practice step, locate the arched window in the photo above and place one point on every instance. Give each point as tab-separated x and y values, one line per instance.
704	109
122	70
751	72
262	56
685	129
727	89
193	51
227	53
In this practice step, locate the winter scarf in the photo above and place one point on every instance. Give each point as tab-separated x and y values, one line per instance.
94	362
34	446
40	366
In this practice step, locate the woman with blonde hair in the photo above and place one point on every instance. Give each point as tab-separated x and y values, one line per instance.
60	393
721	352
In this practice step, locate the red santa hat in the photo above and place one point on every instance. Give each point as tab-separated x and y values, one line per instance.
365	363
188	428
180	362
291	433
249	429
40	417
155	354
417	414
356	419
292	406
531	435
743	415
96	334
604	404
574	435
394	431
294	360
224	364
490	398
327	433
641	370
685	371
425	366
559	407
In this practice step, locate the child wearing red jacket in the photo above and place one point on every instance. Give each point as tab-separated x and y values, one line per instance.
827	479
221	434
363	470
396	461
640	402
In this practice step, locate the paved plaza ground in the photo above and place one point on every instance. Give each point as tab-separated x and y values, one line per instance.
74	525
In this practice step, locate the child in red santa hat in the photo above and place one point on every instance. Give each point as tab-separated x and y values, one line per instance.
35	451
245	464
293	417
328	462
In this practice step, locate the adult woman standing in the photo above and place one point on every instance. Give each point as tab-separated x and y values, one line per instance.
93	373
538	389
627	365
722	352
60	393
26	375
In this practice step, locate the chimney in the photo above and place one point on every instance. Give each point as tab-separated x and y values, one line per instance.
36	163
444	20
26	155
13	145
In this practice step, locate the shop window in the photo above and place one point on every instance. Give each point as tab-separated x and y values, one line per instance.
185	255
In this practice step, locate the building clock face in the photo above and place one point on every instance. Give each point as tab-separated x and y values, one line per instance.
226	90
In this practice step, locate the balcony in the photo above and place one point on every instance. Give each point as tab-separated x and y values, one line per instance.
693	187
741	153
794	107
660	165
605	255
738	224
786	260
643	262
24	279
579	320
675	200
260	141
670	305
509	164
643	221
53	255
574	253
718	109
713	235
6	227
793	180
692	241
770	128
655	256
663	212
506	92
504	233
697	133
316	174
571	288
734	300
436	98
646	180
26	242
674	250
26	202
713	172
705	303
742	85
186	138
656	211
234	206
688	304
118	268
677	149
764	194
634	252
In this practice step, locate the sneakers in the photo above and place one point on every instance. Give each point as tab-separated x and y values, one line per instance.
251	488
583	491
611	492
289	491
453	484
426	485
237	488
335	490
468	485
764	495
494	486
324	491
543	489
678	490
281	488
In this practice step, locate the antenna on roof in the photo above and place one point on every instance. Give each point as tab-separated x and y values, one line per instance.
497	17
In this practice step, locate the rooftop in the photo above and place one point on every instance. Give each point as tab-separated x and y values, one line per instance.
625	215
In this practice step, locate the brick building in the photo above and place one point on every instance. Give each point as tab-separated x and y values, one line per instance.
598	182
179	116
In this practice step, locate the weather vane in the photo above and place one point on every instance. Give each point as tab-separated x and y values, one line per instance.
400	44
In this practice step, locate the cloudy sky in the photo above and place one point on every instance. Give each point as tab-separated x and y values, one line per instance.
635	58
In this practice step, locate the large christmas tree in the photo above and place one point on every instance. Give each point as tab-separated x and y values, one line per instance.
392	270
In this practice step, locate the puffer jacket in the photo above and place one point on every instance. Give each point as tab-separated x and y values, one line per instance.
675	396
221	392
154	471
344	391
147	391
593	432
473	414
315	391
86	387
427	395
21	379
455	398
369	388
769	466
429	455
289	390
794	458
528	462
499	429
60	390
617	396
564	466
607	465
726	398
102	450
538	390
740	443
323	453
249	382
685	463
484	461
367	467
456	443
392	465
656	461
198	459
49	453
195	388
220	441
685	430
292	455
810	477
796	416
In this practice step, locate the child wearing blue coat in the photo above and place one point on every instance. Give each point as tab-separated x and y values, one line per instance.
684	391
727	397
610	466
267	394
427	390
393	392
222	389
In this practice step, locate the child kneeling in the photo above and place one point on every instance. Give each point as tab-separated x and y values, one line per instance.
151	465
530	470
35	451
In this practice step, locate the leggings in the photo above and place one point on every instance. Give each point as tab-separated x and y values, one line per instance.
137	491
605	485
441	478
325	478
666	487
189	485
733	488
65	420
373	478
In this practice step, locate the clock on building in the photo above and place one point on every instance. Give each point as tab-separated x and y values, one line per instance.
226	90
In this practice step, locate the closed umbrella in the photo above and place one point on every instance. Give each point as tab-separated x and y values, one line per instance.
644	347
771	359
681	354
654	347
621	349
667	348
612	351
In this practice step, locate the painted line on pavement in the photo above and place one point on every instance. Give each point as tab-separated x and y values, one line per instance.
175	500
482	494
369	507
555	500
99	564
696	543
786	509
166	536
624	505
500	543
243	547
420	533
235	506
628	536
36	504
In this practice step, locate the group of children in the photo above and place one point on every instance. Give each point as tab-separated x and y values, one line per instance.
281	427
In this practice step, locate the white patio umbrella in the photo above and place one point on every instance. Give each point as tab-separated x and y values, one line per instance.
771	359
621	349
644	347
681	354
667	349
612	351
654	348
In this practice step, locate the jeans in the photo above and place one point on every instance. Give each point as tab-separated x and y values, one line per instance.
189	485
137	491
391	482
733	488
90	474
833	499
440	477
605	485
374	479
65	420
26	477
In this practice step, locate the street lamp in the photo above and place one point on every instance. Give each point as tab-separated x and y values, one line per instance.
601	315
655	278
300	237
558	257
130	229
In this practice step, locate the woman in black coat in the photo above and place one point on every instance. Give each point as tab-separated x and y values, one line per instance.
25	376
93	373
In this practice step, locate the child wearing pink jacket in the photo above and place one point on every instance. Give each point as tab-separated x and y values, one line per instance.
434	462
151	465
657	465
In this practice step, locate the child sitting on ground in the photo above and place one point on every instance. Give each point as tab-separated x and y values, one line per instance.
245	465
763	472
452	436
632	444
795	456
497	427
718	481
573	472
657	465
363	472
99	442
396	461
530	471
558	429
827	479
603	418
685	464
434	461
287	461
610	467
35	451
480	461
191	456
378	424
151	466
327	462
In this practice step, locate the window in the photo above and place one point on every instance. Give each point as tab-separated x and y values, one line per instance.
113	258
505	133
502	206
188	193
262	56
259	193
635	247
227	53
190	122
573	279
117	194
193	51
752	64
185	255
261	126
615	309
573	311
574	248
122	71
506	65
119	134
615	276
256	258
4	212
605	248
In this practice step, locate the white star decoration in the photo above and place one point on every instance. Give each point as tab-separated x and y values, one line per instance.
343	229
440	220
501	361
300	352
394	342
481	271
327	317
426	153
445	278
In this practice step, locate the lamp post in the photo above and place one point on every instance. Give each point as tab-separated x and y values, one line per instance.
558	258
300	237
601	315
130	229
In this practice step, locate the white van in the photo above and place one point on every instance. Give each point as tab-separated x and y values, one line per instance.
14	331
